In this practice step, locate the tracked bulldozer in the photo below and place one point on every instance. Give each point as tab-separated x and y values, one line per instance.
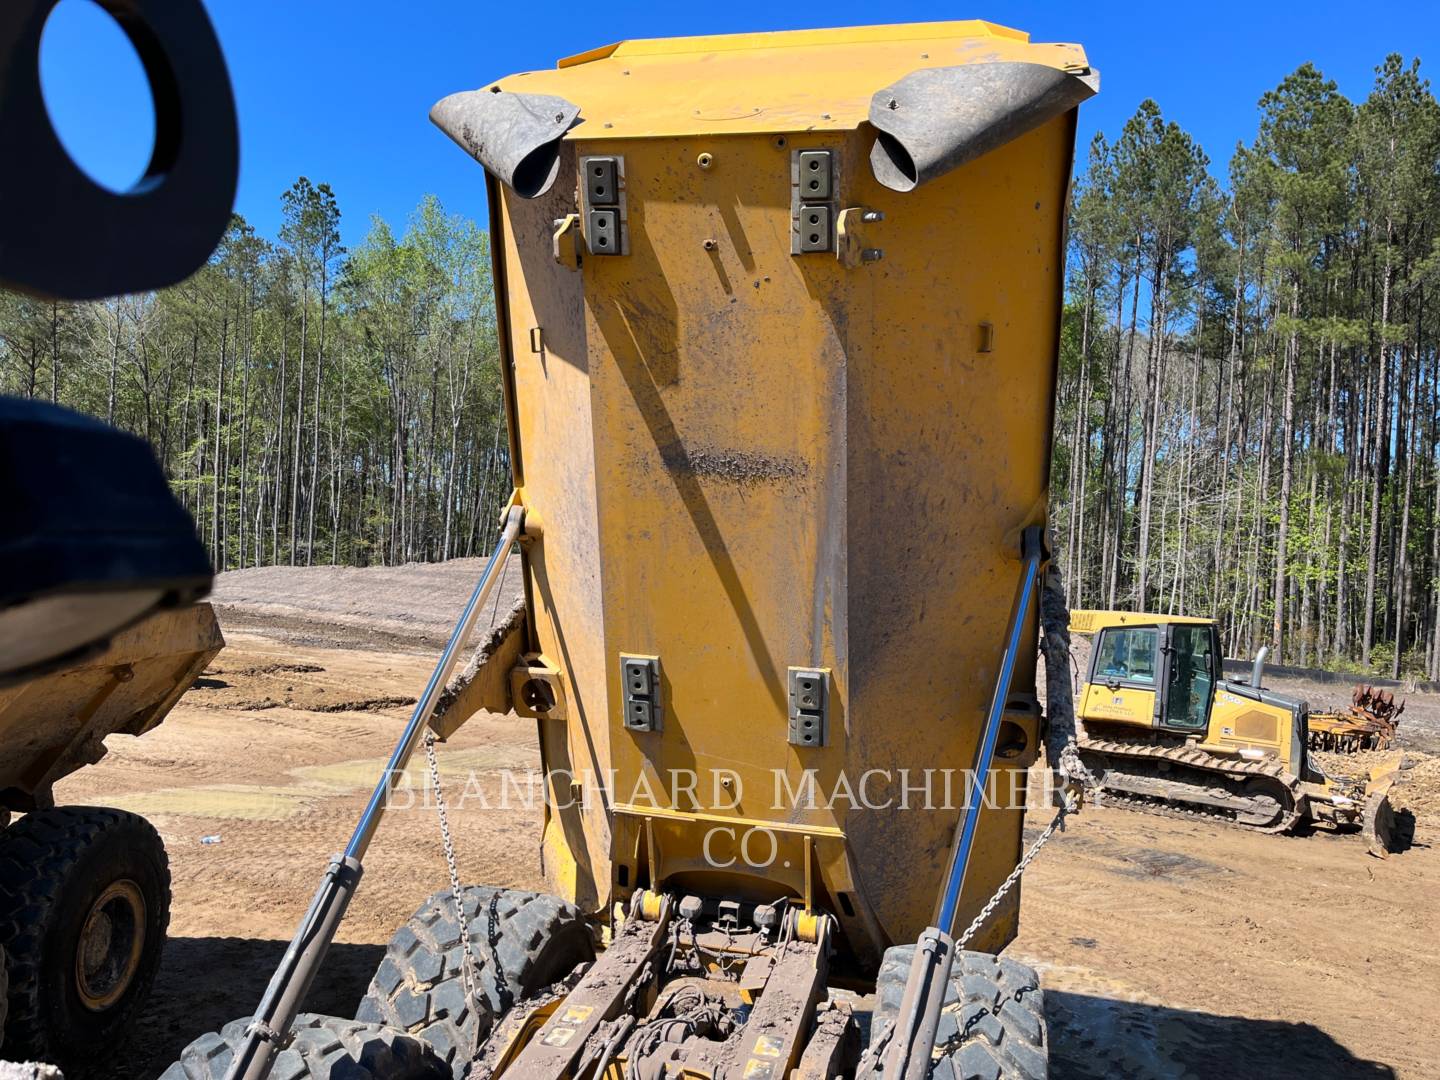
1164	732
782	575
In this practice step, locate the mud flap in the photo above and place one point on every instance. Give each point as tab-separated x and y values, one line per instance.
937	119
515	136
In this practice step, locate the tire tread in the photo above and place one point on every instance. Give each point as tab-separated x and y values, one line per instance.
322	1048
1000	999
418	986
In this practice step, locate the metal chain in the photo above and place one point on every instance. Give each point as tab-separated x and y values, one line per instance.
504	997
958	1039
870	1059
1069	806
469	964
469	972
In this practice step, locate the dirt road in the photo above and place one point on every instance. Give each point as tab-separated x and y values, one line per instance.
1198	951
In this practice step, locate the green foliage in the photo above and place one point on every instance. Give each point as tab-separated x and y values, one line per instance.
1288	320
308	404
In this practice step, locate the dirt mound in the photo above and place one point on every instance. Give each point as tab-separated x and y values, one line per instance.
1418	789
305	703
412	606
1357	765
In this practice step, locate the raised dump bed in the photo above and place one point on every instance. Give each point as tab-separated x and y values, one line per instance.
85	891
779	317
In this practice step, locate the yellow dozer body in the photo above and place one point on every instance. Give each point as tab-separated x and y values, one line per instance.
1164	731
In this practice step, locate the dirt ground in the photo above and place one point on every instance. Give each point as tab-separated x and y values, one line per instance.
1167	948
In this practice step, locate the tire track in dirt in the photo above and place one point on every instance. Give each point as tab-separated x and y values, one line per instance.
1167	948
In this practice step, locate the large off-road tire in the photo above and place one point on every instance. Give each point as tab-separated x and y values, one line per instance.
323	1048
992	1026
522	942
84	905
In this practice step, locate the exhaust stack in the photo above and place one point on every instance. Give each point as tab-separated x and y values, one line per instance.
1258	671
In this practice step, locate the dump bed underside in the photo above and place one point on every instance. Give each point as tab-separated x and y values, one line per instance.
52	725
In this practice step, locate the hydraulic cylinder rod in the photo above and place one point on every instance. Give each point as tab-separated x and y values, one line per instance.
918	1018
268	1030
1032	554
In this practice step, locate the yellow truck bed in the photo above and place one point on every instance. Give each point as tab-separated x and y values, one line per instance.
56	723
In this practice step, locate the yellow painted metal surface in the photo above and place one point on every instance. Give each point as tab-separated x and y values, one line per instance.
1240	723
56	723
831	38
1122	705
747	460
1084	621
802	80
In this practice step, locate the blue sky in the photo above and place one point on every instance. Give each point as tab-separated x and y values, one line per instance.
339	91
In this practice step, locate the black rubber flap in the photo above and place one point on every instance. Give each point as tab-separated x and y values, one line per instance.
88	512
937	119
515	136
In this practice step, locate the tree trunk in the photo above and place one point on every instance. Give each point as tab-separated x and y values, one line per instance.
1382	431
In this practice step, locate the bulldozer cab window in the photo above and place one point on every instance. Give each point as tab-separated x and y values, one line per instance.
1191	678
1126	655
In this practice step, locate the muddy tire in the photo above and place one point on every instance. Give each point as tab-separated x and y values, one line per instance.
992	1026
84	905
324	1048
522	943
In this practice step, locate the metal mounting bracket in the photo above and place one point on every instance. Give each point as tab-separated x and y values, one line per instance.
603	204
809	706
643	701
813	206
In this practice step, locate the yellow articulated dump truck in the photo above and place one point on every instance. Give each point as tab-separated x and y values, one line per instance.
85	890
779	315
1163	731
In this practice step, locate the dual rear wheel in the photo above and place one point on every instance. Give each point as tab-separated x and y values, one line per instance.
416	1022
992	1023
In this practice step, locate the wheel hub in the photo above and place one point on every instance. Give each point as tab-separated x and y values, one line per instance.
111	942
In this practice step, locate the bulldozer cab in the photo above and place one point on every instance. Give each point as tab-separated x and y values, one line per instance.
1165	673
1190	661
1160	674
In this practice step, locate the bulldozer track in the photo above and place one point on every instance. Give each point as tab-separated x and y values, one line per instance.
1159	808
1204	762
